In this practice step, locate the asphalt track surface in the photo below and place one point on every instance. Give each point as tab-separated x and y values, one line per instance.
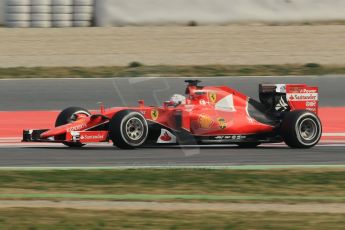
106	155
57	94
54	94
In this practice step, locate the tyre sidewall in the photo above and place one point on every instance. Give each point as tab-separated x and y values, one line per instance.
317	137
291	125
118	129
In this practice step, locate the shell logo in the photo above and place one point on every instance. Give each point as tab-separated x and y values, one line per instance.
221	123
154	114
205	122
212	96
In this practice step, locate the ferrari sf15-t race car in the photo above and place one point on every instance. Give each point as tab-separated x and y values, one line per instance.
205	115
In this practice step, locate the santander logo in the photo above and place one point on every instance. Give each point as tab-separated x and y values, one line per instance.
166	137
91	137
302	96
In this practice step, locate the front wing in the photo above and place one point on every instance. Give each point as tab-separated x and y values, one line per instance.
72	136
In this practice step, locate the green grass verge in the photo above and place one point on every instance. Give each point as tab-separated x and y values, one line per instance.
136	69
36	219
141	184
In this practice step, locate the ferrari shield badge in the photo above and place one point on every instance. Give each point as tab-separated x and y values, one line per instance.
154	114
212	96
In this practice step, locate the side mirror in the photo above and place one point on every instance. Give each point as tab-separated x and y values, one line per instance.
141	103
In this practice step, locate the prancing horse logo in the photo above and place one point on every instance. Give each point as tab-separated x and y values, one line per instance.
212	97
154	114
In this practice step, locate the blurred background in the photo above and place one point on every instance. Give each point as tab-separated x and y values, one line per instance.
84	13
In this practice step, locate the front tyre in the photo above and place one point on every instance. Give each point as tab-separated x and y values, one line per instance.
128	129
301	129
70	115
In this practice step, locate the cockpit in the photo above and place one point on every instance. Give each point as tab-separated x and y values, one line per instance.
177	99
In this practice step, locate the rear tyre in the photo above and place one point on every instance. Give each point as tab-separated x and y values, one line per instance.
301	129
248	145
70	115
128	129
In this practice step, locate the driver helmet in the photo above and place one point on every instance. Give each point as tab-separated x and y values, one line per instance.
178	99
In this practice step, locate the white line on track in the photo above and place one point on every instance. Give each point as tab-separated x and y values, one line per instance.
333	134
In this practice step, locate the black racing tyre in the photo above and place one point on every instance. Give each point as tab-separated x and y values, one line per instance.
248	145
301	129
67	116
128	129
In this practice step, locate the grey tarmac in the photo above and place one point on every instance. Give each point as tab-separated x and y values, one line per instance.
108	156
57	94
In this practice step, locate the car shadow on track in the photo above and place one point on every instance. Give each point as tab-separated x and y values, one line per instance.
111	148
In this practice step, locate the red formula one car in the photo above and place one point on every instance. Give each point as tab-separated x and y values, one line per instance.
206	115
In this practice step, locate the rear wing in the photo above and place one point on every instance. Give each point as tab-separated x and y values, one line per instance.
289	97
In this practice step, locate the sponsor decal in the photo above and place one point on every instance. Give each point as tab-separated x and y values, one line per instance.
205	122
202	102
98	136
77	127
282	105
212	96
308	91
310	103
230	137
221	123
166	137
280	88
302	90
302	96
154	114
311	109
88	136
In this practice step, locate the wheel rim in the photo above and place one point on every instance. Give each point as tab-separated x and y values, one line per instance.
134	128
308	129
